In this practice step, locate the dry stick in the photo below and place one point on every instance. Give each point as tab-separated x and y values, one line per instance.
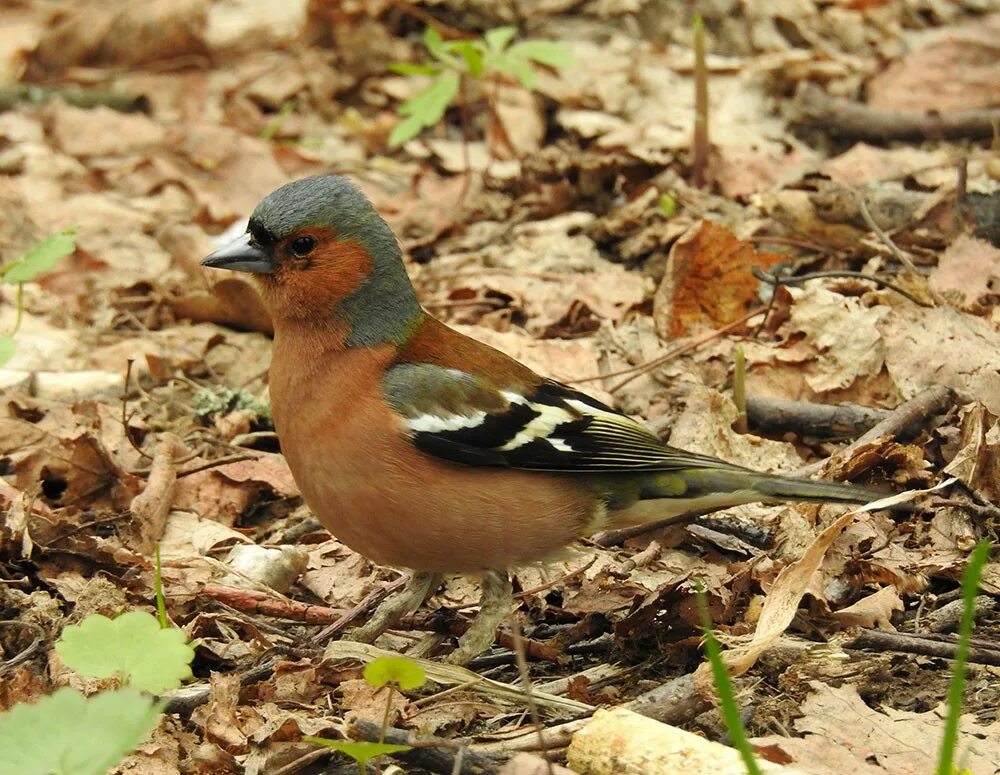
431	753
128	431
522	670
814	107
642	368
777	280
916	410
779	414
26	653
367	604
908	643
260	603
901	256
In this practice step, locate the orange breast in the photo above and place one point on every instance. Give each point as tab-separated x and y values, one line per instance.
389	501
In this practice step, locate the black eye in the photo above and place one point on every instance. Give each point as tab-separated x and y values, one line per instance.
302	246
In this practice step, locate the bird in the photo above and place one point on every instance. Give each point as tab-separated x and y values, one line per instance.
427	450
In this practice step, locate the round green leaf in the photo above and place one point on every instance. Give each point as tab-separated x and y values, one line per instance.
361	752
403	672
69	734
132	646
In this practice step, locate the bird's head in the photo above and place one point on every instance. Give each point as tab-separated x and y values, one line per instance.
321	251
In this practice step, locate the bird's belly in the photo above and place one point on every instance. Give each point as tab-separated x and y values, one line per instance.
398	506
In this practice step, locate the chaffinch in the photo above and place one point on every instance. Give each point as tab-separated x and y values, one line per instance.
422	448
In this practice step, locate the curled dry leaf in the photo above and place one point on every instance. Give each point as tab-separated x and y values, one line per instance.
873	611
977	462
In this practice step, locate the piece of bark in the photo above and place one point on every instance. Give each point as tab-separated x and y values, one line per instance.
906	643
778	414
814	107
618	741
906	415
947	617
151	507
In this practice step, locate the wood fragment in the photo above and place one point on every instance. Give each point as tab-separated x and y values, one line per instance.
805	417
621	741
905	416
848	118
908	643
151	507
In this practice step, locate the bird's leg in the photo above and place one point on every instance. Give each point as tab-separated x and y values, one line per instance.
495	605
407	600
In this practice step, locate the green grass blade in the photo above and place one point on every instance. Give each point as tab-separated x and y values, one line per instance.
956	688
724	687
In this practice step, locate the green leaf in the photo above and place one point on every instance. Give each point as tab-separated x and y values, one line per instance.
425	108
405	131
668	206
361	752
415	68
522	70
434	42
41	258
133	646
69	734
550	53
498	38
473	57
403	672
430	103
7	349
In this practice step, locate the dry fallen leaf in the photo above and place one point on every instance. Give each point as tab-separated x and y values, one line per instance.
708	281
889	741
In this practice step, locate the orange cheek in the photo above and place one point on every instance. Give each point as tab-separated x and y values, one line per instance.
334	272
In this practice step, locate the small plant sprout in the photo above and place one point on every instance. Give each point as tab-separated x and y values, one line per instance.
956	688
450	62
724	688
40	259
394	673
67	733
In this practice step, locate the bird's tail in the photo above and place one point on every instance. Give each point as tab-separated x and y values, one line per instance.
684	493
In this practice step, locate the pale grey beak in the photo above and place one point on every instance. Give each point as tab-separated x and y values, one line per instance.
241	255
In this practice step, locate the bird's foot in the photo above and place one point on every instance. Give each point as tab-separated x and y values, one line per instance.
495	605
407	600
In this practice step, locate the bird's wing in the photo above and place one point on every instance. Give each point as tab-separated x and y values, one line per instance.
548	427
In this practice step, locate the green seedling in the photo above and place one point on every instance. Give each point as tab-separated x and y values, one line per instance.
89	735
40	259
449	62
956	687
724	688
394	673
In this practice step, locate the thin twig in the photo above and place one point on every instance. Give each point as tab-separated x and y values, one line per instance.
26	653
901	256
522	670
777	280
642	368
125	426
